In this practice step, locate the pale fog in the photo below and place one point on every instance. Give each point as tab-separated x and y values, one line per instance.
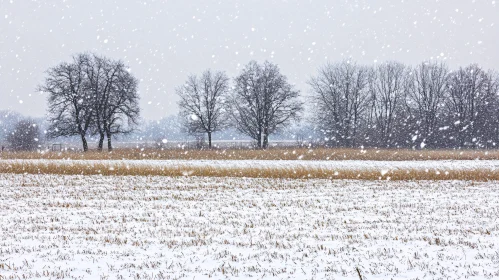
164	41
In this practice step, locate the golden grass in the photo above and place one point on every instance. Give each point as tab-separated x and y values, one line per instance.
252	172
270	154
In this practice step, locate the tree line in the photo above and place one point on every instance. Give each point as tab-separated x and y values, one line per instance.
394	105
386	105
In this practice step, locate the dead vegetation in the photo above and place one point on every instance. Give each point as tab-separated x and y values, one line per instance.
295	172
304	172
269	154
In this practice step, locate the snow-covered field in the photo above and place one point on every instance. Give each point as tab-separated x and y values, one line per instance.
492	165
56	226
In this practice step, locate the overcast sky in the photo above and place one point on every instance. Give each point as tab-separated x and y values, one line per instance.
163	41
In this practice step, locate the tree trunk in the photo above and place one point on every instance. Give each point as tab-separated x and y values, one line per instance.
265	138
84	141
209	140
101	142
109	144
259	140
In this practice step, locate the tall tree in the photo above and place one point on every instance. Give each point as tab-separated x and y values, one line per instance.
340	95
70	110
203	103
425	92
92	94
263	101
491	117
471	103
115	98
386	87
122	112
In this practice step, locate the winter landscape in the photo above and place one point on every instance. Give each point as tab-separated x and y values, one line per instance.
249	139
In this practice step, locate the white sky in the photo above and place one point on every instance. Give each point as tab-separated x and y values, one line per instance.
164	41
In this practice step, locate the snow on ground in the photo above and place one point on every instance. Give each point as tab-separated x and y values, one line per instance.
491	165
166	228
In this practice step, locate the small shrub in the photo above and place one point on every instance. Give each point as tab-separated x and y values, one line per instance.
25	136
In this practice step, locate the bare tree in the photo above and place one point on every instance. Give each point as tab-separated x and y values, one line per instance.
386	87
425	92
70	109
25	136
203	103
115	99
92	94
121	116
339	96
263	102
493	115
471	105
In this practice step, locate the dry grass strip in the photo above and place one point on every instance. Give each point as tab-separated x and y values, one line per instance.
250	172
270	154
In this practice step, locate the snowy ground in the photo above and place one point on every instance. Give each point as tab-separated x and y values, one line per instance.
492	165
161	227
